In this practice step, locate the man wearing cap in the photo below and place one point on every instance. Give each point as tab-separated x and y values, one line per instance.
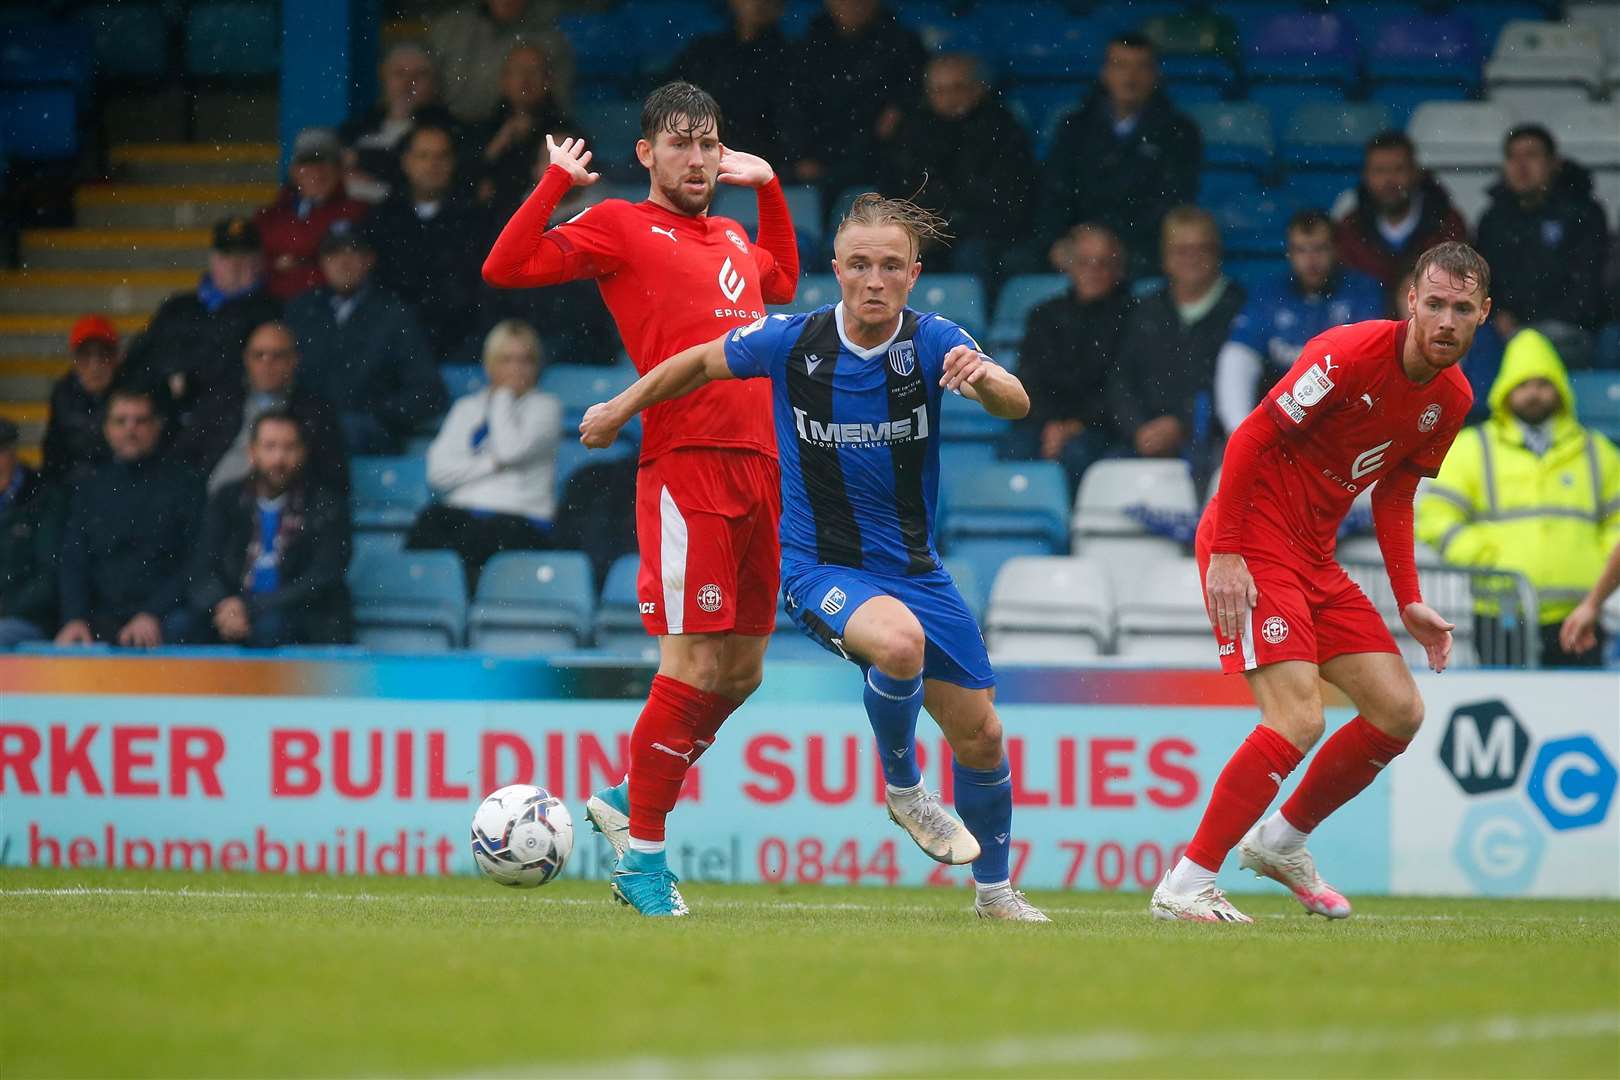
217	445
364	350
194	341
312	200
31	513
73	441
131	527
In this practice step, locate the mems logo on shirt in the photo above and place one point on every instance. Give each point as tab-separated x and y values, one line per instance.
862	435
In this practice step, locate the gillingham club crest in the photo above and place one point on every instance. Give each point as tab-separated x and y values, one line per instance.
903	358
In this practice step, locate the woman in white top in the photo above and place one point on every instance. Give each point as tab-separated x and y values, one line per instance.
493	463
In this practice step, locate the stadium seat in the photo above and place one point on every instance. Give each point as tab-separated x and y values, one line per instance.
1219	186
387	492
1041	40
39	124
1546	54
409	601
1161	616
131	39
815	290
1025	501
1597	400
532	601
1236	134
963	420
1403	98
1469	190
1039	104
804	204
1459	133
1314	47
1050	609
598	40
1489	17
1321	135
572	456
1110	488
49	54
958	297
665	26
611	128
1421	48
1588	133
1018	296
1321	190
462	379
1282	98
233	39
619	629
1256	226
1129	16
579	386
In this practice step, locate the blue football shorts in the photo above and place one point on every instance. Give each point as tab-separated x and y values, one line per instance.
820	598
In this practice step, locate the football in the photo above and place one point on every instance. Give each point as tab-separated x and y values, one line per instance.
521	836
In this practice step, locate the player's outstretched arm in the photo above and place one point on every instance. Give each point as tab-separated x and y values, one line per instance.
974	375
679	375
1579	631
520	256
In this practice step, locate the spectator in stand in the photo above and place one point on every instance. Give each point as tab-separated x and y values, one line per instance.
1312	295
858	71
1400	212
218	445
978	195
130	527
1070	349
494	461
1123	159
1160	393
429	241
502	150
409	80
467	38
193	343
742	67
314	198
273	552
1544	236
31	513
363	350
1529	490
74	443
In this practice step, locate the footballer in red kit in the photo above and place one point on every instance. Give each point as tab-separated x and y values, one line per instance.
708	495
1368	405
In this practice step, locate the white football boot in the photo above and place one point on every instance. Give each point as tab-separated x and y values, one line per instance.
1209	905
1295	871
936	830
1008	904
609	820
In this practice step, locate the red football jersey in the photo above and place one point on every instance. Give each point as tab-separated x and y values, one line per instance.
672	282
1349	416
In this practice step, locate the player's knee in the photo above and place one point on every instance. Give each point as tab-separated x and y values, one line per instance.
1404	717
1302	727
979	746
900	655
739	685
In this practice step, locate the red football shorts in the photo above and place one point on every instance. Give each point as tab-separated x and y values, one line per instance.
1306	611
711	560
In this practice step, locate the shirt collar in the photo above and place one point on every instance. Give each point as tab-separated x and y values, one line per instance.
864	353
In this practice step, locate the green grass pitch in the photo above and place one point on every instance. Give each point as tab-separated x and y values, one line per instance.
146	974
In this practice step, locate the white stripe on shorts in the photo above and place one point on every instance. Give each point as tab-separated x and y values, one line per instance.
1249	661
672	561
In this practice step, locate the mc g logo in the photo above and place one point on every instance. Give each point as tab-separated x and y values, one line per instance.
1484	747
1572	782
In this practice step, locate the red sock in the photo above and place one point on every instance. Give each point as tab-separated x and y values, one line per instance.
1242	792
1341	769
716	709
662	747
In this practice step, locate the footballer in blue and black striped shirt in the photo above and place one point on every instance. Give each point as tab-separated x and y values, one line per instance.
856	390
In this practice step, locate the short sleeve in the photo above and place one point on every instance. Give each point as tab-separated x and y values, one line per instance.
943	336
593	236
752	351
1315	383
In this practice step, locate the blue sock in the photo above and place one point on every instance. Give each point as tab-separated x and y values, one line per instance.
892	706
643	862
984	802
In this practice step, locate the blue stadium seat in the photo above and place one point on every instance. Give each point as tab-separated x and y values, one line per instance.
598	40
1402	98
463	379
1331	135
665	26
1039	104
1042	40
815	290
387	492
791	645
804	204
1127	16
131	39
1319	189
1255	227
963	420
39	124
572	455
1026	501
1425	49
959	455
1490	16
1297	46
1236	134
1597	400
612	129
958	297
579	386
1219	186
532	601
1186	92
618	617
233	39
366	544
1282	98
409	601
48	54
1018	296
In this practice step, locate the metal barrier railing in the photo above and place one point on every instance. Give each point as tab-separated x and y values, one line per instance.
1496	612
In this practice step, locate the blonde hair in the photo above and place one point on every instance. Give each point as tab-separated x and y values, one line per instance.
1189	216
875	211
512	332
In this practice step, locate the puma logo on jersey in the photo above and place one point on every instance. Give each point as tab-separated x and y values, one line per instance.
669	233
1368	398
1327	358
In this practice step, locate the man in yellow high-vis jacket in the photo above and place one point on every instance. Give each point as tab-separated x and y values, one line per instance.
1529	490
